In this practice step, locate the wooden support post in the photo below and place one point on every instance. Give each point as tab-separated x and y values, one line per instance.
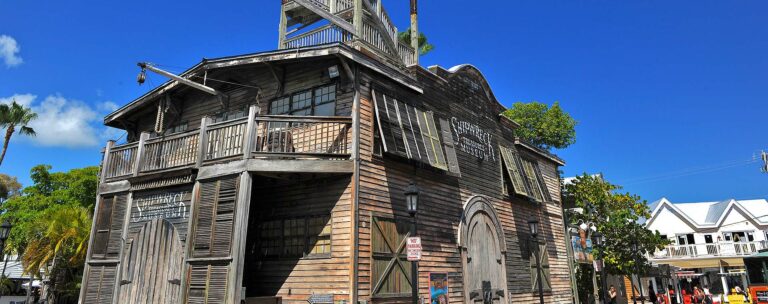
202	141
332	6
357	19
283	26
415	31
240	235
140	153
105	160
250	131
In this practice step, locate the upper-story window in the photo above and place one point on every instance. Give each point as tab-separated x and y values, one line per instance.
739	236
685	239
320	101
523	176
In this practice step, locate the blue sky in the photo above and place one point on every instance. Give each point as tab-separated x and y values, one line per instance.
670	95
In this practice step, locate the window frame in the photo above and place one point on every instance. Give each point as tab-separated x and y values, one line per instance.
306	246
313	100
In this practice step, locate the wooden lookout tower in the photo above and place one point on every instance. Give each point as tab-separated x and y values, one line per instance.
363	24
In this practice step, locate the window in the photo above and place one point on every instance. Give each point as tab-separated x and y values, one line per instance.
750	237
295	237
319	101
511	164
685	239
390	270
533	178
230	115
708	239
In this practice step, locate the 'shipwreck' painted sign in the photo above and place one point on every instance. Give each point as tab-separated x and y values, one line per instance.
169	205
473	140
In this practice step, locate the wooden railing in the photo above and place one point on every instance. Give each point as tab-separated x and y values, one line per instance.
722	249
168	152
309	136
298	137
225	139
120	161
406	53
321	35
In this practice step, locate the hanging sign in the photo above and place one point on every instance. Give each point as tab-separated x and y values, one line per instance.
473	140
413	247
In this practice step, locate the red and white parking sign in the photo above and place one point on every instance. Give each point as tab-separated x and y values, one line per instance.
413	247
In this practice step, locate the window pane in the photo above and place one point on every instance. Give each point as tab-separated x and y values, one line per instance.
270	236
279	106
301	100
304	112
325	94
319	234
293	236
326	109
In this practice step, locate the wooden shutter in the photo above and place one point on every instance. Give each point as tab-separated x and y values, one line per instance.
534	180
414	152
450	148
544	274
390	270
100	285
432	143
514	172
107	239
215	218
389	125
207	284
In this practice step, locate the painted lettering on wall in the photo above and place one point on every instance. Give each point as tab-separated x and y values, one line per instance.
473	140
169	205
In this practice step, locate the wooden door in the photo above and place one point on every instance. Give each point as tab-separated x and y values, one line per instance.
485	277
153	262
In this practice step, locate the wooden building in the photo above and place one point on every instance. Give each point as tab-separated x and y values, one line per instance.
279	176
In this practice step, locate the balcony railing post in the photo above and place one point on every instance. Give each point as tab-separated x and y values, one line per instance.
203	141
105	160
250	130
140	153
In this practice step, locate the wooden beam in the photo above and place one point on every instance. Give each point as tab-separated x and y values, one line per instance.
180	79
276	165
338	21
114	187
140	153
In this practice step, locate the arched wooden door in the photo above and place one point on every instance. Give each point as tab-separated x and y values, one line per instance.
153	265
483	255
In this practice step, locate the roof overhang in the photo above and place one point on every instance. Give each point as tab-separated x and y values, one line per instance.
733	205
539	151
335	49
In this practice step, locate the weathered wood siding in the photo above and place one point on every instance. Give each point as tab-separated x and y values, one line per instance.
465	96
294	279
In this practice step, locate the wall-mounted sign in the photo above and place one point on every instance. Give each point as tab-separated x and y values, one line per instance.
582	247
473	140
169	205
438	288
413	247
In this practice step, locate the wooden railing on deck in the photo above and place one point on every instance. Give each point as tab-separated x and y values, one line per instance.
168	152
321	35
121	160
299	137
309	135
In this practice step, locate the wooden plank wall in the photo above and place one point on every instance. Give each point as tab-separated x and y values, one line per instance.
192	105
464	95
295	279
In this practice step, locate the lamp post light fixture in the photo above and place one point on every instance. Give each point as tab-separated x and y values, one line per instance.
599	241
533	225
412	203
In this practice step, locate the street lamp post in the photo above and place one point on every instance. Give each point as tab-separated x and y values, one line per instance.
599	240
412	202
5	231
533	224
635	249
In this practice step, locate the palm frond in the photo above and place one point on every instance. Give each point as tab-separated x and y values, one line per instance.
24	130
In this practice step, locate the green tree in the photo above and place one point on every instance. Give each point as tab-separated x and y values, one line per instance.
51	224
424	46
9	187
11	117
543	126
617	216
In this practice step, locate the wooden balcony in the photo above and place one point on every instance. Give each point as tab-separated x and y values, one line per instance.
268	137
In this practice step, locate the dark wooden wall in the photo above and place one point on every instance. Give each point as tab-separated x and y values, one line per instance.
464	95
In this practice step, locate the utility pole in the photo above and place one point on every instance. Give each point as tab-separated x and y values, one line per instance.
764	156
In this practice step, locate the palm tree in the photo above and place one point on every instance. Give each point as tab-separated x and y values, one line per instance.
12	116
424	46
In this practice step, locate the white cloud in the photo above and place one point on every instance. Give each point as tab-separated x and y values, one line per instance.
63	122
9	50
107	106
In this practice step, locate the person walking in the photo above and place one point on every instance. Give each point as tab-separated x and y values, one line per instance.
612	294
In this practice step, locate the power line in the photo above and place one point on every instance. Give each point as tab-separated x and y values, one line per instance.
689	172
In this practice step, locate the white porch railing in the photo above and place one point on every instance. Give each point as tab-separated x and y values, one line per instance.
723	249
